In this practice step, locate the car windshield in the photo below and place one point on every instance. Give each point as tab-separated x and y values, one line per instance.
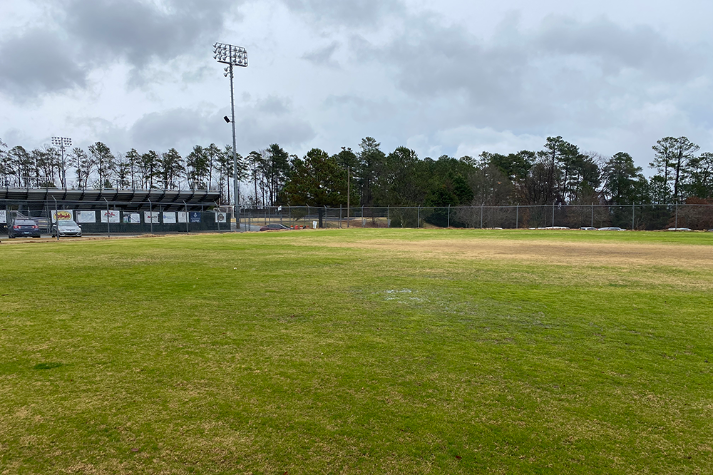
66	223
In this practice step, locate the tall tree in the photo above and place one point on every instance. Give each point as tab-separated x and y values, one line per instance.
197	163
318	180
371	159
170	168
83	164
148	168
105	163
277	168
5	165
123	171
672	159
700	181
621	179
23	166
132	157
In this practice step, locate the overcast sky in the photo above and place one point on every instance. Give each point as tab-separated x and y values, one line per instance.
439	76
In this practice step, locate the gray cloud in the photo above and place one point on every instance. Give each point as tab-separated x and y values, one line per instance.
323	56
139	32
334	13
268	121
36	63
616	48
561	73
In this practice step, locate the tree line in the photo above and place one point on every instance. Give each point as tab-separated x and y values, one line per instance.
558	173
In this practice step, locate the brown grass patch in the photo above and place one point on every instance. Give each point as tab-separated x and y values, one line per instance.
566	253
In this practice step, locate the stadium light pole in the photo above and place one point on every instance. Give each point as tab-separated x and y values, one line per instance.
232	56
62	142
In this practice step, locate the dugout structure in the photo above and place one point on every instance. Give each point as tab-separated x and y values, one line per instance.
118	211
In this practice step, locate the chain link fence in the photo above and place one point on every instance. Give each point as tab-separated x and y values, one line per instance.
107	217
637	217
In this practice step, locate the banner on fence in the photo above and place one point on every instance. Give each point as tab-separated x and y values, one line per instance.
169	217
86	217
3	217
151	217
182	218
62	214
221	217
132	218
110	216
195	216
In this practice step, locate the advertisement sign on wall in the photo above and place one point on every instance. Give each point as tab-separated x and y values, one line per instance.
86	217
132	218
169	217
110	216
220	217
195	216
182	216
62	214
151	217
3	217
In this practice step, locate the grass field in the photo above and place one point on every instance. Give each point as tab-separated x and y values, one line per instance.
359	352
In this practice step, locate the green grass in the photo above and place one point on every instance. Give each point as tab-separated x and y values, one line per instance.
280	353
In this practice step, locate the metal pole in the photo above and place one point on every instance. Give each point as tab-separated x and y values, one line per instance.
633	215
388	216
108	225
236	210
340	216
449	215
677	215
592	214
553	214
151	214
55	217
481	215
185	207
517	216
418	220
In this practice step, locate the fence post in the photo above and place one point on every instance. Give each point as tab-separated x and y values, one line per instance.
108	228
592	214
363	221
418	218
517	216
553	214
633	215
56	220
340	216
481	215
449	216
150	214
188	217
676	215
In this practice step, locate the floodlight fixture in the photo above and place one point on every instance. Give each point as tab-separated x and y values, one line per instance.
232	56
61	143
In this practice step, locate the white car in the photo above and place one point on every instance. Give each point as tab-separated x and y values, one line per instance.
66	227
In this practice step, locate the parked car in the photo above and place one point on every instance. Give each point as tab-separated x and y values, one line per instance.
611	228
273	227
67	227
23	228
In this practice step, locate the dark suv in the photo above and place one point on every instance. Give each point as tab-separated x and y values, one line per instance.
23	228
